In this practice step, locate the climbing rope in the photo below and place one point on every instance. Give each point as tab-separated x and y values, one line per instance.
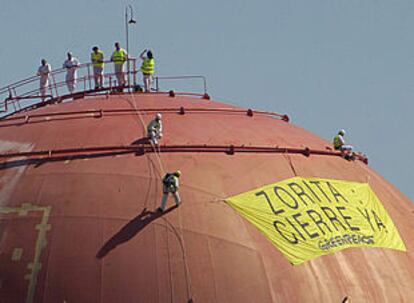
179	235
138	113
291	164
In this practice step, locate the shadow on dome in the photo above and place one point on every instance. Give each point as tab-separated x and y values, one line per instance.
132	228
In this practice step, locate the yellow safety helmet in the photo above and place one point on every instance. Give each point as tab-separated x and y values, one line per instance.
178	173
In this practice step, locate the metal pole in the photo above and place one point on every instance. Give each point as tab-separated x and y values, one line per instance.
205	85
126	29
127	43
89	77
55	86
127	22
134	73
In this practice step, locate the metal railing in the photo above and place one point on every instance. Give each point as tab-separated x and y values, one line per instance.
158	78
57	115
26	94
16	96
143	148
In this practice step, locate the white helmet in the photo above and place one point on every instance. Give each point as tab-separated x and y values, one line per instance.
342	132
158	116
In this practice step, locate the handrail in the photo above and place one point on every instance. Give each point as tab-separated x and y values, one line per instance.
35	118
157	86
53	72
28	89
26	94
68	153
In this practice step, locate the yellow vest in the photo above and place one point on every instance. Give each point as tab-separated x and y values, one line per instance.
119	56
337	142
97	59
147	66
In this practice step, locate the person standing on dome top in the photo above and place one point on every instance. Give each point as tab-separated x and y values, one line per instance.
147	69
119	56
44	71
71	64
97	58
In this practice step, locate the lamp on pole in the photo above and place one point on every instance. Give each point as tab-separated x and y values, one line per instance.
127	23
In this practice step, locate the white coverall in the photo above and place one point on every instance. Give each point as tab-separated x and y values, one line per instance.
43	72
71	66
154	131
119	73
148	79
170	185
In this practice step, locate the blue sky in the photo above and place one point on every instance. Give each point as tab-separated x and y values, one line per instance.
328	64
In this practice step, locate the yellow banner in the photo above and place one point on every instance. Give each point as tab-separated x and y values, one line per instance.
308	217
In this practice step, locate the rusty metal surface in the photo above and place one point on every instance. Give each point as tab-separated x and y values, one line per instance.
83	229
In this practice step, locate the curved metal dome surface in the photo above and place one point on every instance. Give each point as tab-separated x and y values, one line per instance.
79	197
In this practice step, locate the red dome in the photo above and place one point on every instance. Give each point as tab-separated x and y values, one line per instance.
79	191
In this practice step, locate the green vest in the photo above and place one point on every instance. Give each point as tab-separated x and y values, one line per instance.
97	58
147	66
175	178
119	56
337	142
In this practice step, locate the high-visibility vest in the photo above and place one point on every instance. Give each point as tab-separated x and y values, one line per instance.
337	142
119	56
147	66
98	58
